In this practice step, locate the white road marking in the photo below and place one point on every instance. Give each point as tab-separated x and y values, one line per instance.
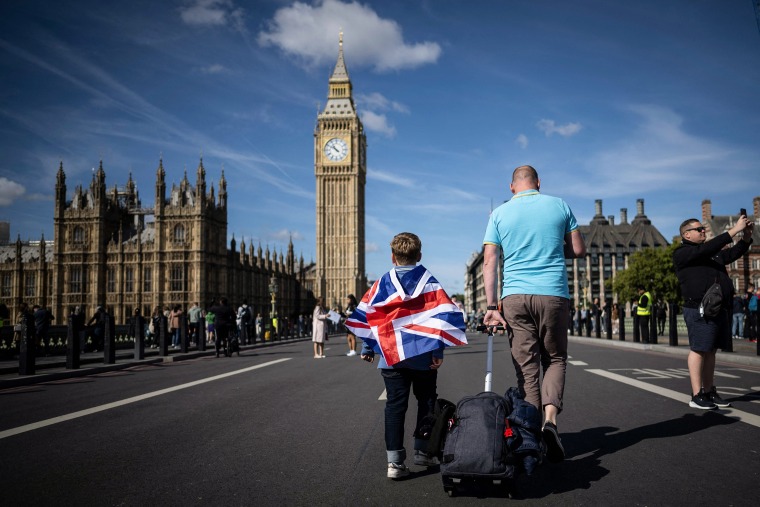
383	396
578	363
722	374
108	406
740	415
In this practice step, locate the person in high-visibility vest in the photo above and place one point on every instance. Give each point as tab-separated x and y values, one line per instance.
644	312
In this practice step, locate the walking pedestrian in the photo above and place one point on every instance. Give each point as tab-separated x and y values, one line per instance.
224	324
194	322
752	300
98	325
410	367
42	319
319	329
350	337
739	309
536	233
174	317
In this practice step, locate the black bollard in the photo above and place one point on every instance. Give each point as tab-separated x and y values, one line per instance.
27	350
608	319
183	335
201	337
72	343
653	327
636	331
139	330
109	340
163	336
621	324
673	324
728	342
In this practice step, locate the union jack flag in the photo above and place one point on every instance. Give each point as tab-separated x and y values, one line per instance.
403	319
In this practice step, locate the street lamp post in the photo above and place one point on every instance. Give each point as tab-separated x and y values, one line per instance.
273	287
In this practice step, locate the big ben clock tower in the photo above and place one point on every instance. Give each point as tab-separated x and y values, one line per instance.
340	167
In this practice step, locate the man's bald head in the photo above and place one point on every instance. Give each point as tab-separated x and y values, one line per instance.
524	178
525	173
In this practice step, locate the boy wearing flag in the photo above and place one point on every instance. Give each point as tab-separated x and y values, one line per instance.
407	318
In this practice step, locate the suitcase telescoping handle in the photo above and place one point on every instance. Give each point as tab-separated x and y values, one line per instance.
489	353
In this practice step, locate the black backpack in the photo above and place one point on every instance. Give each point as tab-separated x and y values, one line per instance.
476	446
709	308
434	427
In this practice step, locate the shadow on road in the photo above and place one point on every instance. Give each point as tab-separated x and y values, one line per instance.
594	443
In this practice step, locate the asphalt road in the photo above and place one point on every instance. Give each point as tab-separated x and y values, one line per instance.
277	427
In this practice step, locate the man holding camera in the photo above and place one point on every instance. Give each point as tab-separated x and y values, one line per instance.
699	264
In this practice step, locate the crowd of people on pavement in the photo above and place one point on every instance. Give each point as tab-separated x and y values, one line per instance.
36	320
220	320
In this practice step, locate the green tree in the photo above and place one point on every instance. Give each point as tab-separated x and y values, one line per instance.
652	268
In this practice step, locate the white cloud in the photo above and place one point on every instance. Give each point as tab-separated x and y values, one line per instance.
378	123
660	155
309	33
371	248
378	102
285	235
549	127
212	13
390	178
522	141
10	191
215	68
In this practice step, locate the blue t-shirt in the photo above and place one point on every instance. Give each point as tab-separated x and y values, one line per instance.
531	229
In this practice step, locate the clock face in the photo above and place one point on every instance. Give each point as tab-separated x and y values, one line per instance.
336	149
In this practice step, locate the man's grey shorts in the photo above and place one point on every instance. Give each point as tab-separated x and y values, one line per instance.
706	335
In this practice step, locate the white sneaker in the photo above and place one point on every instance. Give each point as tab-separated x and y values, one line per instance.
351	353
397	471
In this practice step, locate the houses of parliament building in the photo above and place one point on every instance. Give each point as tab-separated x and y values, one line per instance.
110	250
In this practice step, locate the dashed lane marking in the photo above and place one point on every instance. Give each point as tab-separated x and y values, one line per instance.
108	406
383	396
733	413
578	363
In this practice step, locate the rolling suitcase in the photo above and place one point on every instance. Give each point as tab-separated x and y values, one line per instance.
476	454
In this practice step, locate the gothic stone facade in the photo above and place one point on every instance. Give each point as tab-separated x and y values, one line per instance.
745	271
110	250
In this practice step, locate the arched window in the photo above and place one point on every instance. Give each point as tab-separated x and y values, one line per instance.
179	233
78	235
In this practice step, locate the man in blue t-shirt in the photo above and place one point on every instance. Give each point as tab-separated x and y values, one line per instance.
535	233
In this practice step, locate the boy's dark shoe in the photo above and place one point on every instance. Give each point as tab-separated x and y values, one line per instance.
425	460
555	453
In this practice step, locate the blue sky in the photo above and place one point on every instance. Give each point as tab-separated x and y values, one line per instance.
608	100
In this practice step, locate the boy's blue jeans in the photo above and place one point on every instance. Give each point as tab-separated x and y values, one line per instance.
398	385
